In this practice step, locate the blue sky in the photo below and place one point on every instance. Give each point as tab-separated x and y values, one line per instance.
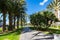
36	5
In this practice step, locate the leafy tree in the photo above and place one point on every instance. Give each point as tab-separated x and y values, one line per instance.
41	19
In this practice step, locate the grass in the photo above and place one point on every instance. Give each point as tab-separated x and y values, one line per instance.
0	29
11	35
55	27
46	32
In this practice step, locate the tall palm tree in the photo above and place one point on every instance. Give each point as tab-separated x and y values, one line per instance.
17	12
3	9
54	6
10	12
22	12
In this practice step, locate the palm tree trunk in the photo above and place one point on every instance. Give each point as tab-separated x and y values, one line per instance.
14	23
10	22
21	21
4	20
17	22
56	14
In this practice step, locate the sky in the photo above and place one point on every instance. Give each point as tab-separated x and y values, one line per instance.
36	5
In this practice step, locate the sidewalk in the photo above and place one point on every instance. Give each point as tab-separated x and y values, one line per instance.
31	35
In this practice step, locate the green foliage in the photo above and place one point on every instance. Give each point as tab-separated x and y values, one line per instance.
15	8
41	19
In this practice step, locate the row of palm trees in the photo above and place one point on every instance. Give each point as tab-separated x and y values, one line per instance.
16	11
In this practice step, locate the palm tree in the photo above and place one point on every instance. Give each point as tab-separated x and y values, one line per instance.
17	13
3	9
54	6
10	12
22	11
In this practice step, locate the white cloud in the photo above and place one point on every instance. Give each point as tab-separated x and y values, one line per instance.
42	3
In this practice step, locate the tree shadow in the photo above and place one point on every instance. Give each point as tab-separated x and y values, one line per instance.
43	39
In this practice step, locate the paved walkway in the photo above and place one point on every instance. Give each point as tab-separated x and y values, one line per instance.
28	34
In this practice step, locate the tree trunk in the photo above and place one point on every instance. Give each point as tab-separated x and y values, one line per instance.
21	21
10	22
17	22
14	23
4	21
56	13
